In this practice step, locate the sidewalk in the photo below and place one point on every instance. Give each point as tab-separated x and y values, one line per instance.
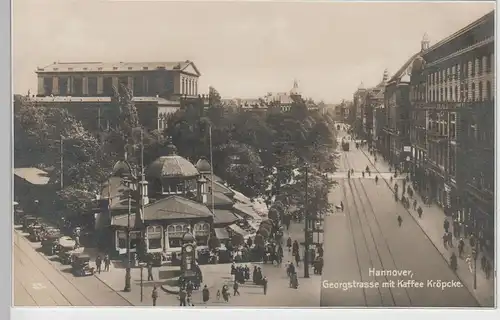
432	224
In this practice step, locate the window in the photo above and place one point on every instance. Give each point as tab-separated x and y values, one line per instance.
480	90
488	90
107	86
122	239
488	64
473	89
154	234
138	86
202	233
63	86
445	94
452	167
174	234
473	67
77	86
480	66
92	86
47	86
457	94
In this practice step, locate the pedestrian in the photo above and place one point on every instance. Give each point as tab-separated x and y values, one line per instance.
225	293
206	294
98	263
182	297
391	179
218	294
420	211
297	258
446	225
468	260
445	240
363	173
461	245
342	206
150	271
483	263
450	240
376	179
289	244
264	284
154	295
400	220
487	269
107	262
235	289
414	204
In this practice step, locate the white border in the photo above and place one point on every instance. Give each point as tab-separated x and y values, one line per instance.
135	313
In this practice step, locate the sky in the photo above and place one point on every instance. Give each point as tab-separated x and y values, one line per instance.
243	49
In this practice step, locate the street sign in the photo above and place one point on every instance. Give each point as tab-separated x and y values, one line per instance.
406	149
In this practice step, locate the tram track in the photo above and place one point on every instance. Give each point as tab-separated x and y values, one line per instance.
369	229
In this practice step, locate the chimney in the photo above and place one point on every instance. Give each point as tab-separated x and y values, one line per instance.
143	185
201	194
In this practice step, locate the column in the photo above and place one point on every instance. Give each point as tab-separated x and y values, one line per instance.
100	85
41	89
70	86
115	83
55	85
130	83
85	86
196	87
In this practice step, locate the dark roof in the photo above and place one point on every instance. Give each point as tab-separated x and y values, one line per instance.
403	69
219	199
172	166
225	217
32	175
116	66
175	207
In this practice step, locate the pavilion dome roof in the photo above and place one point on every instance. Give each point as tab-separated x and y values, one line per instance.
171	166
203	166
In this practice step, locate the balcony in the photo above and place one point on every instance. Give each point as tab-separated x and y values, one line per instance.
479	192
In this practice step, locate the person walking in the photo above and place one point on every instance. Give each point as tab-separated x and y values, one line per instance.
468	260
400	220
446	225
107	262
461	245
98	263
414	204
235	289
182	297
264	284
205	294
342	206
420	211
154	295
289	244
150	271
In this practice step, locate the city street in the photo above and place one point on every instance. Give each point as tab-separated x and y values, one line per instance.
215	276
41	282
367	236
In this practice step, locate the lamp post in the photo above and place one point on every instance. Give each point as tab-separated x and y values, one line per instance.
307	225
131	187
142	265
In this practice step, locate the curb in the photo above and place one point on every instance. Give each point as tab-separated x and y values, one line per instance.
170	289
427	236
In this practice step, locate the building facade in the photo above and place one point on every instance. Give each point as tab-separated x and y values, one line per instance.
452	132
86	89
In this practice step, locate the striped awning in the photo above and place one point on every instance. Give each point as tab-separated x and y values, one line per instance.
235	228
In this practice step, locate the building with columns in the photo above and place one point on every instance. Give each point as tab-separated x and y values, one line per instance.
452	131
87	87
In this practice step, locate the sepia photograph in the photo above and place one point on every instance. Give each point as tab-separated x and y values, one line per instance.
253	154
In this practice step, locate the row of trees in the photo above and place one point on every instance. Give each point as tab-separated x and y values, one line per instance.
256	153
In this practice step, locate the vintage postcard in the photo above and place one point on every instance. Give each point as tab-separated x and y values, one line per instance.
253	154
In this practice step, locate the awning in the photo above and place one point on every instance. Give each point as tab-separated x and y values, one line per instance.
224	217
221	233
246	210
240	231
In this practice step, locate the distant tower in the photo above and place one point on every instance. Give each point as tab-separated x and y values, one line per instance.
386	76
425	42
361	86
295	90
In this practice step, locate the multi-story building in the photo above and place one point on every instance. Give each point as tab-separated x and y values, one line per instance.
359	99
284	100
452	130
397	146
88	87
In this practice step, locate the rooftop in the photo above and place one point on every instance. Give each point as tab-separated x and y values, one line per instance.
32	175
64	99
118	66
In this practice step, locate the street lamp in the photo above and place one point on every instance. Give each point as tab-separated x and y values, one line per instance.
306	222
142	265
132	187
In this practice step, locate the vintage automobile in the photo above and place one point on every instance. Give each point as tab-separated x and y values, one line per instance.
50	244
35	233
80	265
28	221
65	254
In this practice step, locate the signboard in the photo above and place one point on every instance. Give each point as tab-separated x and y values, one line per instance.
406	149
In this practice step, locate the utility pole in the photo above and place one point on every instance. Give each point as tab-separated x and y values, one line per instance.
61	150
307	227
